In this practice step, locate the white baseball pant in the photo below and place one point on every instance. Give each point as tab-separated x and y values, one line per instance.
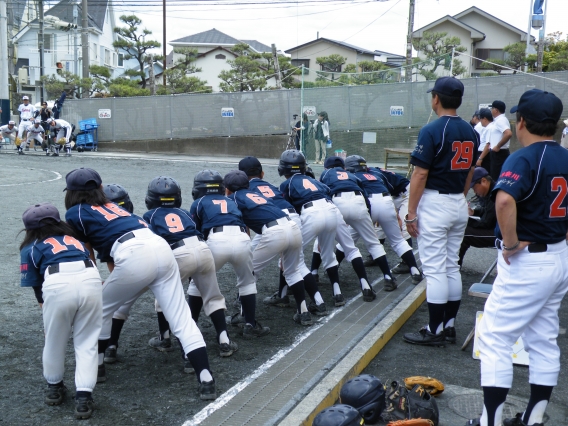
147	261
22	127
283	239
525	300
384	212
401	205
354	211
34	136
442	220
11	136
72	298
233	246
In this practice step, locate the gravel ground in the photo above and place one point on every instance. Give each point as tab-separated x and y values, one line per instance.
144	386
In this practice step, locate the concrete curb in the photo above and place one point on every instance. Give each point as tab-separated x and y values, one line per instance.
327	391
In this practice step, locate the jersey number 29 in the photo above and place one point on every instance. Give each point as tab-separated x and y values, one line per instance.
463	155
558	184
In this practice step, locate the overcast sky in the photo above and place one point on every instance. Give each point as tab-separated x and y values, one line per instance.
374	25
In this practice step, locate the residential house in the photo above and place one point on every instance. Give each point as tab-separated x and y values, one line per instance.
59	45
482	34
213	51
306	54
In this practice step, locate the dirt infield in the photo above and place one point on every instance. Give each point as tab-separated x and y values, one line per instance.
144	386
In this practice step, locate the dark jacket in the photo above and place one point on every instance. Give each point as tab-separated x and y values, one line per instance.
486	211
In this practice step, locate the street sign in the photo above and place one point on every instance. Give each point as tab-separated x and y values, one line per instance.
310	111
105	113
396	111
228	112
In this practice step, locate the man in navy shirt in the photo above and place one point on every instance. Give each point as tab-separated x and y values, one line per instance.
443	160
531	205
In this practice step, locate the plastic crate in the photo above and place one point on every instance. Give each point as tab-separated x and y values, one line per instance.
88	124
84	138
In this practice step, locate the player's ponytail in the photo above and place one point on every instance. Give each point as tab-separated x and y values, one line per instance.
50	228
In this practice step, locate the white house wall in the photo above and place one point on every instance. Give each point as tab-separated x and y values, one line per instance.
211	68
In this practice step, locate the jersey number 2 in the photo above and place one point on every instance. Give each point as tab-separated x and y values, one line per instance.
463	155
558	184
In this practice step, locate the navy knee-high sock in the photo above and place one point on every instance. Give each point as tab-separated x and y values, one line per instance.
311	286
384	265
436	311
409	241
339	255
492	398
115	331
299	293
451	312
199	361
316	261
195	306
359	268
248	303
219	322
333	274
282	285
539	393
409	259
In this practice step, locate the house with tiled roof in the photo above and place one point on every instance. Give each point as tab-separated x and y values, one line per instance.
482	34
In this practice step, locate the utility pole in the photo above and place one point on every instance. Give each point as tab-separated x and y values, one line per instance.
151	76
41	38
164	42
452	61
541	38
4	92
528	35
75	53
277	67
85	41
408	70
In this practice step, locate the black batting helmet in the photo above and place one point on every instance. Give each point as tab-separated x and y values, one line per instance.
332	162
292	162
310	172
119	195
207	182
355	163
163	191
338	415
366	394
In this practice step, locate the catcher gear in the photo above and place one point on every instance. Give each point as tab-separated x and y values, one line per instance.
355	163
117	194
292	162
403	404
207	182
338	415
366	394
18	141
432	386
163	191
61	141
412	422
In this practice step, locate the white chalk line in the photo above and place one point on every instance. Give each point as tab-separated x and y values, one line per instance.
57	177
232	392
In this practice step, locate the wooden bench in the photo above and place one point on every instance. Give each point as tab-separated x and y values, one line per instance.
398	153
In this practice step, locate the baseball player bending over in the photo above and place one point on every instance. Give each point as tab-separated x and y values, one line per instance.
221	222
64	131
57	266
443	163
35	132
137	258
280	237
9	131
253	169
531	205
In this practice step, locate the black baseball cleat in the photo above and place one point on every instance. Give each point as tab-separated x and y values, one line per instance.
303	319
401	268
417	278
338	300
110	355
101	374
84	407
55	393
319	310
450	334
250	332
21	153
227	349
390	284
518	421
473	422
55	154
369	295
207	391
187	367
425	338
276	300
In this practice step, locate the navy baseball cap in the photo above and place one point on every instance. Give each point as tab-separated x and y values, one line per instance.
539	106
476	114
478	173
235	180
251	166
499	105
83	179
485	113
331	162
448	86
35	214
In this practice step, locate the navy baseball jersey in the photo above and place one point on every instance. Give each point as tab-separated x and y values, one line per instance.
372	181
257	210
340	180
211	211
172	224
396	184
447	148
269	191
536	177
301	189
102	225
36	257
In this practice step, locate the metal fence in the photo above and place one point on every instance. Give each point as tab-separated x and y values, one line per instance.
350	108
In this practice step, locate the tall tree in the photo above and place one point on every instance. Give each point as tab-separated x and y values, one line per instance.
135	45
178	76
515	58
329	66
367	72
246	73
436	47
66	81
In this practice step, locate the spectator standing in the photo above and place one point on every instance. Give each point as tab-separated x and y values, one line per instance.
486	121
499	147
564	139
321	136
302	128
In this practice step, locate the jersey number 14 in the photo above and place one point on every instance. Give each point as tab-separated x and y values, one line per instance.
463	155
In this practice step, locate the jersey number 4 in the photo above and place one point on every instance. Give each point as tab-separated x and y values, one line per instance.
463	155
558	184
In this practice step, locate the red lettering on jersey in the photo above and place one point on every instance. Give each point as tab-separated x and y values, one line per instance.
369	176
24	267
558	184
463	157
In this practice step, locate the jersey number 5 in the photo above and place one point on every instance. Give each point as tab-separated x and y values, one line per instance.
558	184
463	155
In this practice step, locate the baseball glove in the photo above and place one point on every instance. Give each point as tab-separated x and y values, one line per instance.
405	405
433	386
412	422
18	141
61	141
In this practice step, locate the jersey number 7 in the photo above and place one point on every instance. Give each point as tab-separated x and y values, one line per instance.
463	155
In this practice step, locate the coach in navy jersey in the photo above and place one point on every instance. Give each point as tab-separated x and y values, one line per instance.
443	160
531	205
